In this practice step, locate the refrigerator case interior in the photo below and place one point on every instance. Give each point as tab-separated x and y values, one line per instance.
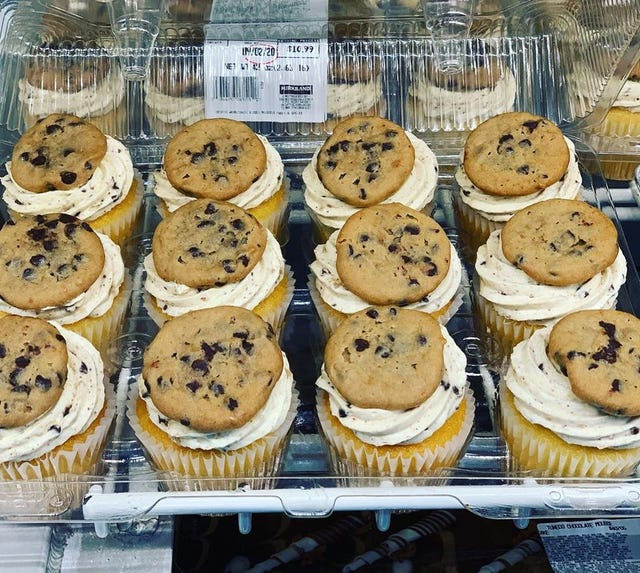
557	69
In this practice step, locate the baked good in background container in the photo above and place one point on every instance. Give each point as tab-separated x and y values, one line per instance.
623	121
57	268
388	254
458	99
55	415
569	402
75	77
224	160
64	164
367	161
215	398
174	89
210	253
511	161
392	395
555	257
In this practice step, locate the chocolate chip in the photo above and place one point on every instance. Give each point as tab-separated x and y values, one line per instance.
24	156
50	245
247	347
574	353
615	385
372	313
22	361
531	125
363	238
382	351
386	146
28	274
232	160
422	340
21	389
524	143
505	138
228	266
53	128
372	167
210	148
36	233
194	386
68	177
342	413
217	389
331	165
232	404
523	170
238	224
200	365
412	229
3	350
361	344
185	422
43	383
38	160
70	230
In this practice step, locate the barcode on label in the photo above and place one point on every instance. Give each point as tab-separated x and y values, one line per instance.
236	88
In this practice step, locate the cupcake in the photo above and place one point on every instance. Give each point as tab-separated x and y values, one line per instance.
570	401
354	83
458	100
623	121
174	89
224	160
57	268
64	164
386	255
367	161
215	398
54	417
392	395
210	253
510	162
73	77
555	257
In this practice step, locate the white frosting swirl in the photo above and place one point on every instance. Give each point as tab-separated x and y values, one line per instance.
270	417
543	396
392	427
95	301
175	299
264	188
629	96
465	106
415	192
336	295
346	99
107	187
501	209
171	109
92	101
517	296
79	404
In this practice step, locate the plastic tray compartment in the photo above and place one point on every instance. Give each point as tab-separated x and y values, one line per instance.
567	60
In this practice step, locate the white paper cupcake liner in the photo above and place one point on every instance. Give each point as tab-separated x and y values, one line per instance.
196	470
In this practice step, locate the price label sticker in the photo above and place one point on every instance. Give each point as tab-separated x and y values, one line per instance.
266	80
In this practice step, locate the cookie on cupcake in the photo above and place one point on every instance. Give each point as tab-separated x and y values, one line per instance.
555	257
215	398
570	401
510	162
386	255
392	395
211	253
367	161
64	164
224	160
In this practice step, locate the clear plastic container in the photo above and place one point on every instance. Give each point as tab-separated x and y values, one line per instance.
538	43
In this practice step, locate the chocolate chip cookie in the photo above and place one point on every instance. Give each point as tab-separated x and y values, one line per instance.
207	243
560	242
392	254
386	357
33	369
59	152
215	159
365	160
48	260
599	351
515	154
212	369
